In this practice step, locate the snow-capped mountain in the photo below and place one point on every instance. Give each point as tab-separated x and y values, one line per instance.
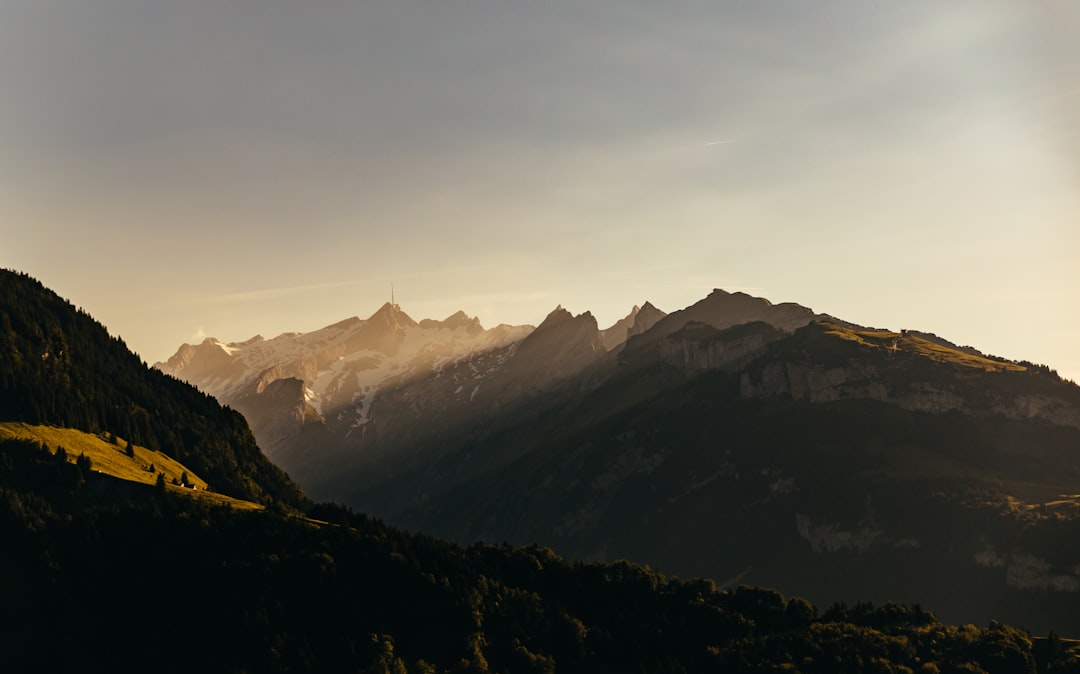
327	404
330	375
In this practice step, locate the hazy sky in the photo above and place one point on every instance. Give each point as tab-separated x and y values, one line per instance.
232	167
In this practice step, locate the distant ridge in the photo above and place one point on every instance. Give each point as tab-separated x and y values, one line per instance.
736	438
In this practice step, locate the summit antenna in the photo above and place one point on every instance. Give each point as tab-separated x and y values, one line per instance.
392	302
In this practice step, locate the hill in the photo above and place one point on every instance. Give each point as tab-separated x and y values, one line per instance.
60	367
112	456
107	575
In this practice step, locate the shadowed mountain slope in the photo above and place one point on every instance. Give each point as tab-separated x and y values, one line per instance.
744	441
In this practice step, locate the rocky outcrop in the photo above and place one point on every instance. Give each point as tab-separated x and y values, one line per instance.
645	319
560	347
457	320
977	394
616	334
721	310
699	346
383	332
813	383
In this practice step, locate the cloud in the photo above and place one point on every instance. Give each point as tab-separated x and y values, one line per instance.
273	293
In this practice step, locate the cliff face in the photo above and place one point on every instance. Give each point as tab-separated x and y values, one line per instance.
278	408
825	364
814	383
699	346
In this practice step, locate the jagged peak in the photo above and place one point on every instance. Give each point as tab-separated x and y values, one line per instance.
458	319
557	315
391	313
349	322
248	342
560	316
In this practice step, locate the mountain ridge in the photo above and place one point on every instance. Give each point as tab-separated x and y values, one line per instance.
274	590
690	431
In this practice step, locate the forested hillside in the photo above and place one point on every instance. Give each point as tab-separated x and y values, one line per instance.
59	366
105	575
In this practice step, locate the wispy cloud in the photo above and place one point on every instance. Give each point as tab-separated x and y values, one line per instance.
276	293
270	293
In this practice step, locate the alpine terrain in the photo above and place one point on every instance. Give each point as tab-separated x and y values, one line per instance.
120	555
736	439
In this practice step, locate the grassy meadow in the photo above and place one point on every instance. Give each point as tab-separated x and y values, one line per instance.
109	455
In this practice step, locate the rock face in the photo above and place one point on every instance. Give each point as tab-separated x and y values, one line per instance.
828	362
698	347
636	322
560	347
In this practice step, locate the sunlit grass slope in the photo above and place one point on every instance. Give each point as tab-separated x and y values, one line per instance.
111	458
921	345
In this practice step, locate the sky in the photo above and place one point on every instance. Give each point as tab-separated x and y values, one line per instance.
229	168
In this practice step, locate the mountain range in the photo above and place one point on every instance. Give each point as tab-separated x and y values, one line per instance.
736	439
143	529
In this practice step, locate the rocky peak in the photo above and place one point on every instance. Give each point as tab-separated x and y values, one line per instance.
721	310
383	331
392	315
189	362
616	334
645	318
563	344
456	320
